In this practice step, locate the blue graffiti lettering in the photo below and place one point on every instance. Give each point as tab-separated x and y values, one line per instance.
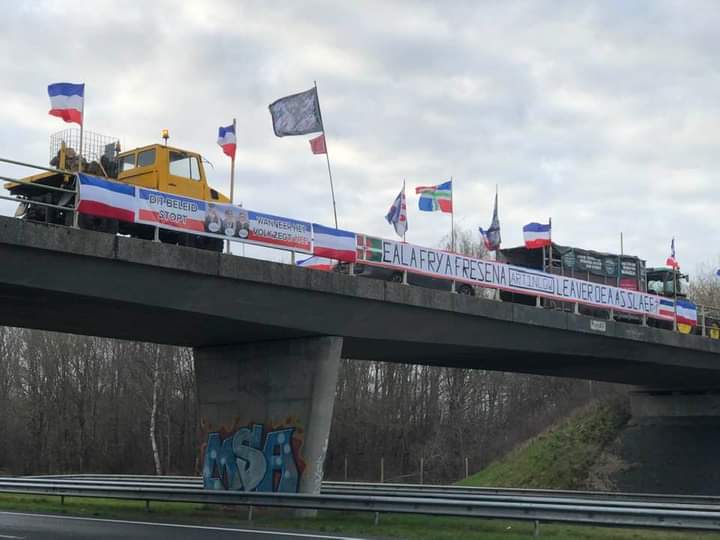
242	462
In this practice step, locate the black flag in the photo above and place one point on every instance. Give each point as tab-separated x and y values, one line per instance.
297	114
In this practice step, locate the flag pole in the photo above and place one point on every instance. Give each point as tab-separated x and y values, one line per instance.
452	216
82	125
550	248
494	210
675	284
404	199
327	156
232	182
232	165
619	271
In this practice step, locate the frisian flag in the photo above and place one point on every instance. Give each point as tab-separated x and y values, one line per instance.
434	198
67	101
297	114
397	215
491	236
227	140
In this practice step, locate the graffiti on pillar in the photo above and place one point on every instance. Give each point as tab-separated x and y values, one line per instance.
252	458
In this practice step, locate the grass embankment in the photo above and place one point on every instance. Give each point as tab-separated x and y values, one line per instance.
559	458
562	456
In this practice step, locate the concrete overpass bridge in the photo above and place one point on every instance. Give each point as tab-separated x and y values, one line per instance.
268	337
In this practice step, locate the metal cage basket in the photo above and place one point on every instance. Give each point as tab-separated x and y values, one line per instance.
94	147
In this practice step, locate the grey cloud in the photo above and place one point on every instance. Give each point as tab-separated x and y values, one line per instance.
599	114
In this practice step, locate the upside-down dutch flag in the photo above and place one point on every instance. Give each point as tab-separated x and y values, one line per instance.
317	263
334	243
103	198
227	140
66	101
537	235
686	312
666	308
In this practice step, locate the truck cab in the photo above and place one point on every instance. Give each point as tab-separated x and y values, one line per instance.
50	196
662	281
167	169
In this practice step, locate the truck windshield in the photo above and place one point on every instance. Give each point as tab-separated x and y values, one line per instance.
184	166
146	158
127	162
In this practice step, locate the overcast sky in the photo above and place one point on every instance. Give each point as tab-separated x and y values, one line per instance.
601	115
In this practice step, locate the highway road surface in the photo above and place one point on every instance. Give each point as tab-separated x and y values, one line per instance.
21	526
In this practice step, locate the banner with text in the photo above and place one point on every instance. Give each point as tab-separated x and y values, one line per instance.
222	221
444	265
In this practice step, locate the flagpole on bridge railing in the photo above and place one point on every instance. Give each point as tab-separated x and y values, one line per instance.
232	165
327	156
404	199
675	285
232	179
82	125
452	216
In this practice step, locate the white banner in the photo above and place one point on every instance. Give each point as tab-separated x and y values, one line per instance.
451	266
222	221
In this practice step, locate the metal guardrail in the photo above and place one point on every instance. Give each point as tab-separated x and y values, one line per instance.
37	185
438	492
395	489
527	508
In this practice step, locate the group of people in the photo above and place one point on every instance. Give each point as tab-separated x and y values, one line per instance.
228	221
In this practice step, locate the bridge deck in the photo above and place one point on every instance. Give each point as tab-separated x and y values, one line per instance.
84	282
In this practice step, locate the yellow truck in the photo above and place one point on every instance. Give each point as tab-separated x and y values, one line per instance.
155	166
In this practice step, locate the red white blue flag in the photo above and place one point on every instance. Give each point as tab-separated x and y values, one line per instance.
397	215
333	243
67	101
537	235
666	308
686	312
317	263
226	139
103	198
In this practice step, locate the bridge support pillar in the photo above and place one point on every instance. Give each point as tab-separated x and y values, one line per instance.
678	404
670	445
265	410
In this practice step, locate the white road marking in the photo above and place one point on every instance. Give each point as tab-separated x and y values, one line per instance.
181	526
12	537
